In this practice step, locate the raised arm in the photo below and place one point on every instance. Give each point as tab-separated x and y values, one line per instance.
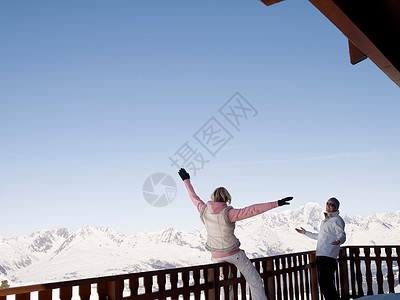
192	194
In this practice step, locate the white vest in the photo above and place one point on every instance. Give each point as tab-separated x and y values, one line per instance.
220	231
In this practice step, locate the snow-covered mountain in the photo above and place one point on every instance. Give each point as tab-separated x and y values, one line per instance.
91	251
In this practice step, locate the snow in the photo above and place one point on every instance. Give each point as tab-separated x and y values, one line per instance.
382	296
61	254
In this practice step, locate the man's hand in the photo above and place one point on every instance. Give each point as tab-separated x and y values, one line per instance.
337	242
301	230
184	175
284	201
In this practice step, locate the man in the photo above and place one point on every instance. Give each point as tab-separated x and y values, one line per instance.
330	237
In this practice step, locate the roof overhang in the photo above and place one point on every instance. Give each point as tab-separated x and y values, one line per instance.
372	28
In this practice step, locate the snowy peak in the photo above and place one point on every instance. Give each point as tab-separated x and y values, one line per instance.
107	235
95	251
42	242
63	233
92	237
170	235
384	221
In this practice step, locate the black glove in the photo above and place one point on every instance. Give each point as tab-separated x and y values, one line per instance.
184	175
284	201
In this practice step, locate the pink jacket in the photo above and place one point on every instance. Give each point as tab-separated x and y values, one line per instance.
233	215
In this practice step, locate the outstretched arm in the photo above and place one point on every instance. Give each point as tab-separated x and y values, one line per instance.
256	209
307	233
192	194
250	211
311	235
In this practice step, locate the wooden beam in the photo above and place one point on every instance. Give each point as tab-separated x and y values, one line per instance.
334	13
270	2
356	55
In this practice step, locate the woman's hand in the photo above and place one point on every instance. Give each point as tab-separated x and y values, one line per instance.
284	201
184	175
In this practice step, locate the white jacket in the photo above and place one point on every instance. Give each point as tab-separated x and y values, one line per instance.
332	229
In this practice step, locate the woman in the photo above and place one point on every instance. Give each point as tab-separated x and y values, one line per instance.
219	219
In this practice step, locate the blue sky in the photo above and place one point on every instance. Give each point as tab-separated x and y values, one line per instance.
95	97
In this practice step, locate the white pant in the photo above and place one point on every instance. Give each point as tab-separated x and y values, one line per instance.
244	265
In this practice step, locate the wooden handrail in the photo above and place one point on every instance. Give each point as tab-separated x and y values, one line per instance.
362	270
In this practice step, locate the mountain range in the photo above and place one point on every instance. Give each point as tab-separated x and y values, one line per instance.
62	254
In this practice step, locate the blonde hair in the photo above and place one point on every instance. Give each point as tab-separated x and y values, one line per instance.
221	194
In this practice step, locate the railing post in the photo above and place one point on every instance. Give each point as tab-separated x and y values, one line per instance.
368	273
46	295
379	274
357	263
65	293
115	289
24	296
343	274
398	263
389	263
270	282
84	292
212	278
314	277
102	290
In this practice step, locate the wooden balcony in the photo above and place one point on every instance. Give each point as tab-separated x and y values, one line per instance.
362	270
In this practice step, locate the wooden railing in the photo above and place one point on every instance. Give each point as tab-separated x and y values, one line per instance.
362	270
368	270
